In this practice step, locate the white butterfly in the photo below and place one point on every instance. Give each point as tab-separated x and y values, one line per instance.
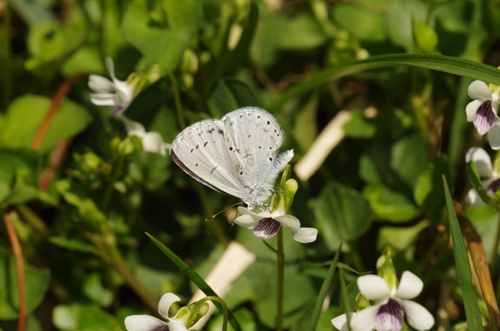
236	155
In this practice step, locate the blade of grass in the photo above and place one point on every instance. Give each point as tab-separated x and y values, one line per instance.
324	290
343	290
195	278
449	64
472	313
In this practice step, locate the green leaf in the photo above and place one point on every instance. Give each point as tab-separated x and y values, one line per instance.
399	18
162	29
36	282
240	52
359	127
228	95
427	193
303	32
26	113
342	212
426	37
305	129
74	244
88	212
195	278
388	205
93	289
442	63
367	25
264	47
83	317
18	175
32	12
463	267
409	158
401	238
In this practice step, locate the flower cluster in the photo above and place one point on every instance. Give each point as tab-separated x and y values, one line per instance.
392	301
118	95
181	321
483	111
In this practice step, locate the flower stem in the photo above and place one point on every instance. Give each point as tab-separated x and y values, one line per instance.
281	275
324	290
18	255
56	100
224	308
343	291
177	99
109	190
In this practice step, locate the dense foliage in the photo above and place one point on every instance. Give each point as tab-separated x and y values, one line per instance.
372	96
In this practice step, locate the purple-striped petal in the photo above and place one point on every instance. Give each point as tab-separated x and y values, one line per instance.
485	118
390	316
492	188
266	228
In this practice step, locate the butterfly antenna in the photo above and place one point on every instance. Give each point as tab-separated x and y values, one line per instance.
223	210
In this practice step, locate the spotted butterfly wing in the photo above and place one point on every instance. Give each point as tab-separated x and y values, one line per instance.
253	137
235	155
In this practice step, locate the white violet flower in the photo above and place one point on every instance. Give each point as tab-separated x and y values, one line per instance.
148	323
392	305
115	94
482	111
340	322
151	141
491	183
266	224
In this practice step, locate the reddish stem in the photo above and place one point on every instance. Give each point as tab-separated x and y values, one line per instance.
61	92
18	255
56	157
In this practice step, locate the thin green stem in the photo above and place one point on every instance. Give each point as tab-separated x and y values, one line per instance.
324	290
220	233
8	62
343	291
281	276
114	176
112	255
224	307
32	219
270	247
177	99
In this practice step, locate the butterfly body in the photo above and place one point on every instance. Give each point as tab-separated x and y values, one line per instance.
236	155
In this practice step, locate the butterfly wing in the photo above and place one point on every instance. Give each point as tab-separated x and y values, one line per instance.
200	151
252	138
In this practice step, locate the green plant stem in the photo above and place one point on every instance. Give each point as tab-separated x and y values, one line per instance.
32	219
347	309
114	176
494	253
324	290
224	307
220	233
280	255
177	100
195	278
113	256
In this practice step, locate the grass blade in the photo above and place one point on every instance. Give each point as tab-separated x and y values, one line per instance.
449	64
195	278
472	313
324	290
